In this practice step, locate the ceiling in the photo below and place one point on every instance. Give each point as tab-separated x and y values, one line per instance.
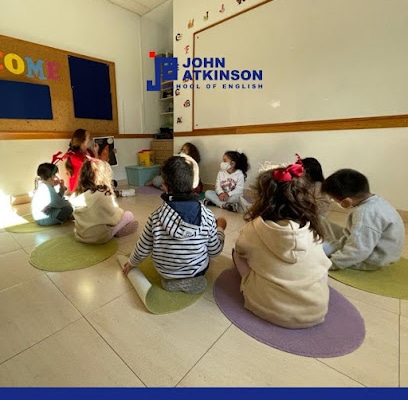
140	7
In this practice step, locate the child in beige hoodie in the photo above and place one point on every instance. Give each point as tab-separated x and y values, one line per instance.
279	252
97	215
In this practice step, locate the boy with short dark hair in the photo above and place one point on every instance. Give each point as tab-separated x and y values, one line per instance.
374	233
182	234
49	207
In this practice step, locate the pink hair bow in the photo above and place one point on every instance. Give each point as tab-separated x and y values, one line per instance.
286	174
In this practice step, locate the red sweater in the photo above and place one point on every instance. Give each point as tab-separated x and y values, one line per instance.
77	158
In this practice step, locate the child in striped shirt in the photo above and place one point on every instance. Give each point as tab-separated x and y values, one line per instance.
182	234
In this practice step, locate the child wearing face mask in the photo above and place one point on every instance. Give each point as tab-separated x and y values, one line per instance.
374	233
229	185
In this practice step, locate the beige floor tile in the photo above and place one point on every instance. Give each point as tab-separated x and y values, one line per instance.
217	265
404	352
7	243
90	288
126	244
194	347
74	356
238	360
160	349
386	303
29	313
376	362
15	268
28	249
9	217
404	308
36	238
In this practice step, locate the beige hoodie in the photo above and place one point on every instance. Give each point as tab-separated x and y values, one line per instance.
287	284
94	213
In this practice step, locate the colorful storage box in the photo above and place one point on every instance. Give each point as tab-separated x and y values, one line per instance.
145	158
138	175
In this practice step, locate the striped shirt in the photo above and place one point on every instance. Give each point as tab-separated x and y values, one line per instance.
179	249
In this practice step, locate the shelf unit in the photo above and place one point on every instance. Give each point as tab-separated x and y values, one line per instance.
163	149
166	100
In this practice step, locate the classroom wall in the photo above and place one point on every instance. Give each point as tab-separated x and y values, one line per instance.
378	153
96	28
157	35
114	34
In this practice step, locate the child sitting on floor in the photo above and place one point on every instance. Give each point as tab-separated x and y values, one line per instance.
229	184
97	215
374	233
182	234
313	171
279	252
191	150
47	206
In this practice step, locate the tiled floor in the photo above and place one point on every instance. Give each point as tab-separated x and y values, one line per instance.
89	328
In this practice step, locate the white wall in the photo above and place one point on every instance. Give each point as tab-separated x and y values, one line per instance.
95	28
378	153
100	29
157	35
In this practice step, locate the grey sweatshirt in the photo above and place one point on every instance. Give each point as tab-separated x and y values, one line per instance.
372	238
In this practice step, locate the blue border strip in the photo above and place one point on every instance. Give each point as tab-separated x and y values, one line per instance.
203	393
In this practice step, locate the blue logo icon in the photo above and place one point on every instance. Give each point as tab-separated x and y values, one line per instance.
165	69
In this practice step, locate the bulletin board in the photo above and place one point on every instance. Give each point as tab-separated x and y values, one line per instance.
320	61
43	89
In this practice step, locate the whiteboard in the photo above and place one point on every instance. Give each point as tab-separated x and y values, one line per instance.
320	60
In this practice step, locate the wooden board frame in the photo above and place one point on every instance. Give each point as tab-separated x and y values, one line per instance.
24	61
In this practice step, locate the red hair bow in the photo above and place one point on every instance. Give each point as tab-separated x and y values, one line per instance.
60	156
286	175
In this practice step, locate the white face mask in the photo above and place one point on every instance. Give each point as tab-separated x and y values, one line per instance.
225	166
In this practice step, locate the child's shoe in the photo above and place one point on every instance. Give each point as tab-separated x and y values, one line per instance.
207	202
127	229
231	207
126	193
245	205
195	285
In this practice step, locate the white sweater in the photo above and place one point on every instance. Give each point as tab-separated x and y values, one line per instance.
233	183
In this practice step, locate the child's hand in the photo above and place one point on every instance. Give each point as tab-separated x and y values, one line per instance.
221	222
54	180
46	210
223	196
127	267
